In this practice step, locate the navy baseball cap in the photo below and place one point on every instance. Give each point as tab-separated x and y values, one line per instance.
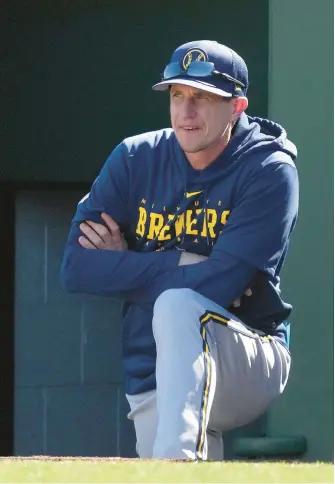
206	65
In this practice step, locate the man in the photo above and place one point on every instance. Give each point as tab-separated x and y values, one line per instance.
181	223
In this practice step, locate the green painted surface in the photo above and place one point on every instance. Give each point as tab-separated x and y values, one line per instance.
77	76
301	98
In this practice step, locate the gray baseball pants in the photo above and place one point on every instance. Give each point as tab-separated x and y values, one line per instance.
213	374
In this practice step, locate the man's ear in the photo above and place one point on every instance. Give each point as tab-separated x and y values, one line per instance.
240	105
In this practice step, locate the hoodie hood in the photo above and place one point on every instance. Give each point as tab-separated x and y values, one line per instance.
251	135
264	134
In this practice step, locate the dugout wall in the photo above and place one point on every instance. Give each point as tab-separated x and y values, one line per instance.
77	80
301	98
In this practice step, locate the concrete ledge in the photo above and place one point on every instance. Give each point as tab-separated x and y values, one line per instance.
278	447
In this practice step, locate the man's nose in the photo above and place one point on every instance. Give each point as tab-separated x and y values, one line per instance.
188	108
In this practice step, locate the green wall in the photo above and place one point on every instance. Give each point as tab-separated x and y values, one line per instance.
77	76
301	98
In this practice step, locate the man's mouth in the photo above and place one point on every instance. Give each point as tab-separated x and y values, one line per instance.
190	128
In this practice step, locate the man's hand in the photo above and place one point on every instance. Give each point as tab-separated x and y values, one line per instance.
98	236
237	302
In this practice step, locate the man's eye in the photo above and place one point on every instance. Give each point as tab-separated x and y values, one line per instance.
202	97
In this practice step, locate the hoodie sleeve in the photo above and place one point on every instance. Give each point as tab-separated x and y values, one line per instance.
104	272
253	240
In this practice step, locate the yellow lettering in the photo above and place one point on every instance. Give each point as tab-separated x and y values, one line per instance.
140	229
204	227
212	217
179	224
156	223
163	234
190	222
224	216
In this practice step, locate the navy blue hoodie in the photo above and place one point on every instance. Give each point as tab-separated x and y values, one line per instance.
239	211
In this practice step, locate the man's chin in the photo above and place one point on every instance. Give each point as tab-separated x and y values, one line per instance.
188	148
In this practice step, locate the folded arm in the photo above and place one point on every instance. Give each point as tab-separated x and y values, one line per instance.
252	240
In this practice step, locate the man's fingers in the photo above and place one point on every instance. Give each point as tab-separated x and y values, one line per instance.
85	243
237	302
111	224
91	235
100	229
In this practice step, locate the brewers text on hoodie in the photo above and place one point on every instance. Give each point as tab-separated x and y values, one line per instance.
239	211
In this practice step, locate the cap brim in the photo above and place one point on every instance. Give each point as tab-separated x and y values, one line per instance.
205	86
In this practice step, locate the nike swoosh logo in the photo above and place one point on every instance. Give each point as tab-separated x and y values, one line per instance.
191	194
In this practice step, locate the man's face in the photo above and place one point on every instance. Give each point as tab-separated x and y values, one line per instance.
199	118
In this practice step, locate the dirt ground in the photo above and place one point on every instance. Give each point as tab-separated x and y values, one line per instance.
68	458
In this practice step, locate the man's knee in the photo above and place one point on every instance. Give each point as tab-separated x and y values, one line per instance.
171	306
172	299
